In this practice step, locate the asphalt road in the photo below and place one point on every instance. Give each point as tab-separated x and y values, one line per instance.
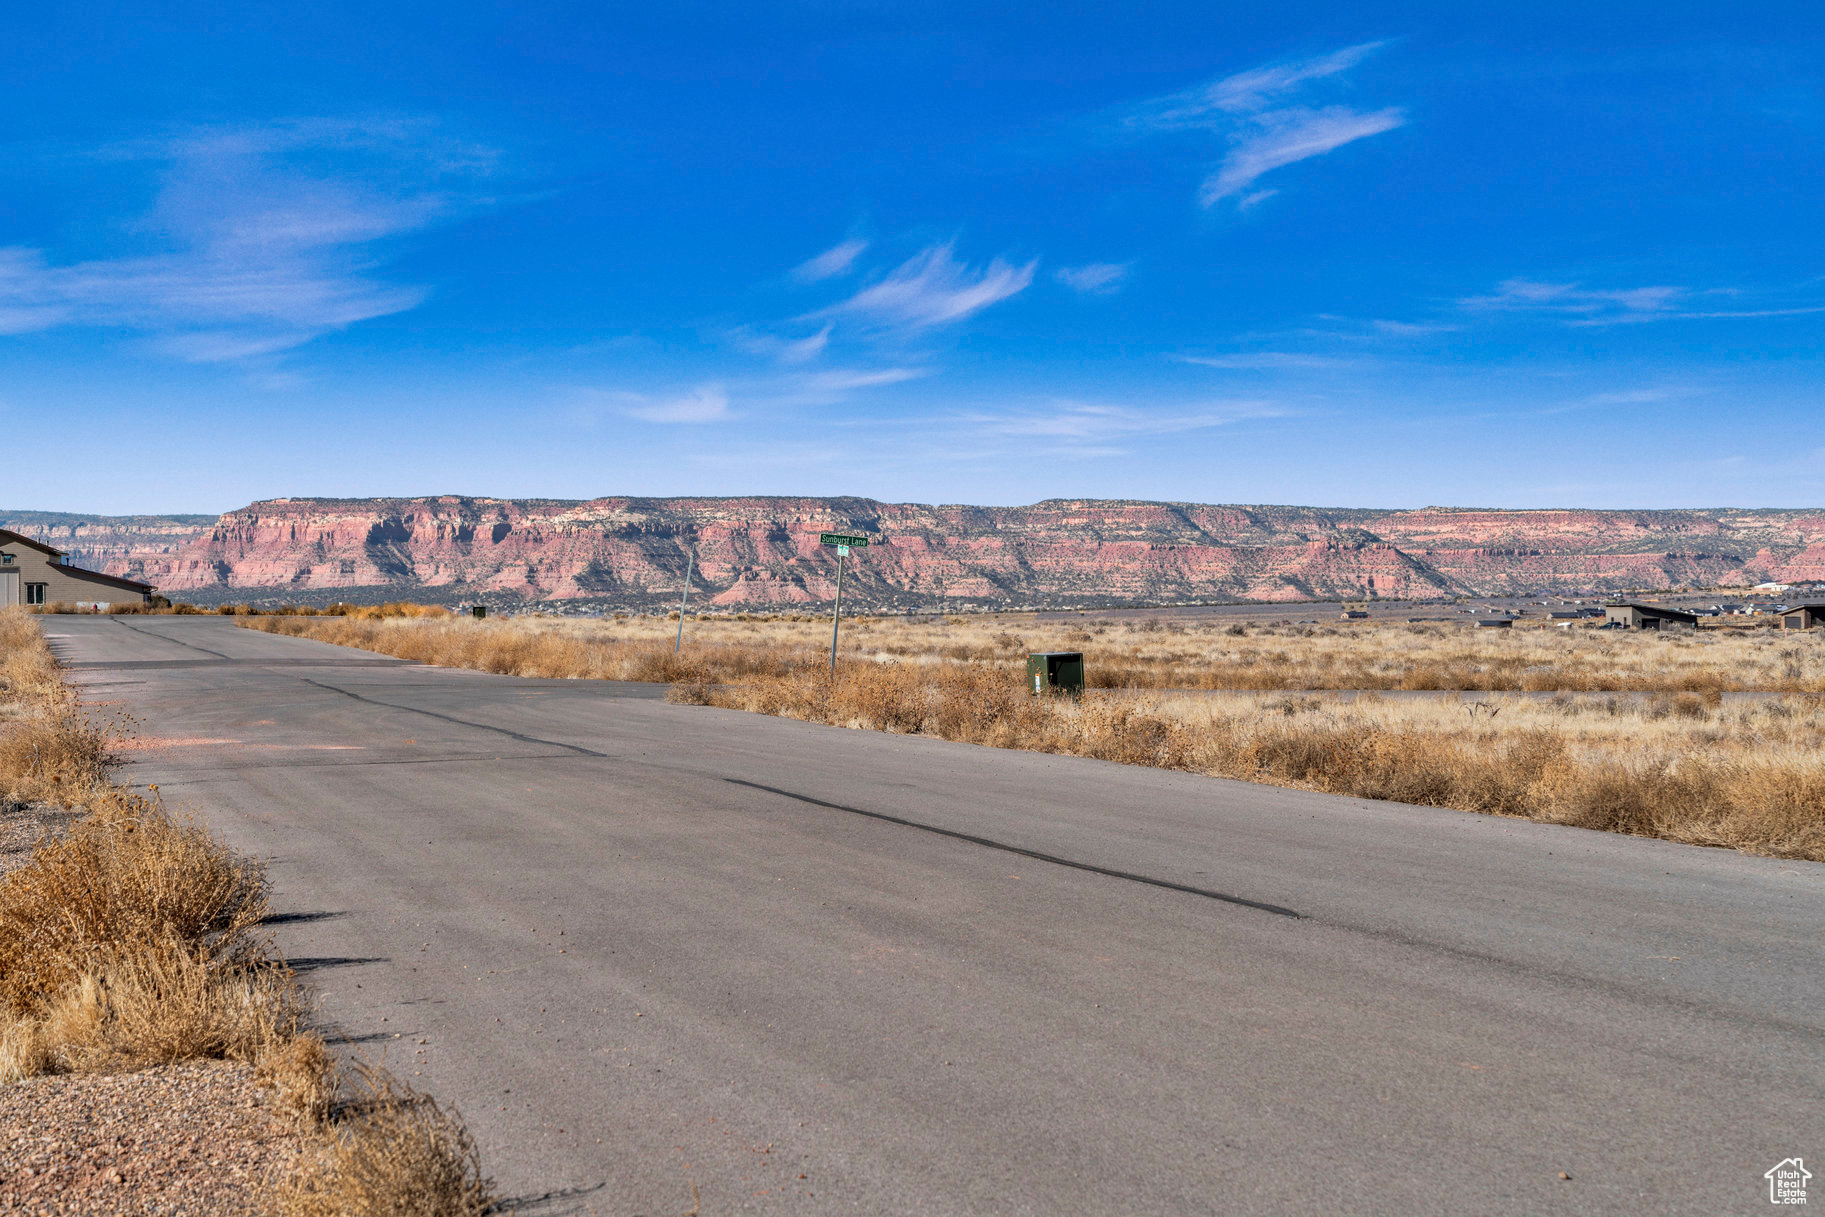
810	970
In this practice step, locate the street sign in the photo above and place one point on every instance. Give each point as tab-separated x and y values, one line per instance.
843	541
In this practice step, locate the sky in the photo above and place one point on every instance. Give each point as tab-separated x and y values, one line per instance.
1330	254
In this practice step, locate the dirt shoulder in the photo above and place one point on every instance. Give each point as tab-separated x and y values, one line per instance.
197	1138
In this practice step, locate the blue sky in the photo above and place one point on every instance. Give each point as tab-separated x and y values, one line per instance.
1368	255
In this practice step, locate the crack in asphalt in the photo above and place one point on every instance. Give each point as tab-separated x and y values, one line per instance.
467	759
189	646
463	722
1054	859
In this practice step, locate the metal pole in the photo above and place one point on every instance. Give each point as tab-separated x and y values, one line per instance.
682	600
836	618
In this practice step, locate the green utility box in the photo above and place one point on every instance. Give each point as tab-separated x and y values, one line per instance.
1055	672
479	611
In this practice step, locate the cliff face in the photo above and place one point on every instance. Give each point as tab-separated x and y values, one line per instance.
764	552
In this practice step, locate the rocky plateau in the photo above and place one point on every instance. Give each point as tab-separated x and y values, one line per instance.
764	553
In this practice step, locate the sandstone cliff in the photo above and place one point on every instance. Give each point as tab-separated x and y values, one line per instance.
764	552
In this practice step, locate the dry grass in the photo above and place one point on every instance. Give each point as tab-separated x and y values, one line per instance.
1119	653
1691	768
133	941
396	1153
127	879
138	1008
533	647
1638	737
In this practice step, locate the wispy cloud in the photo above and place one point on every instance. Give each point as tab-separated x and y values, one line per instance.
715	400
262	253
1410	329
933	288
804	350
1639	397
837	260
1091	422
1264	115
705	404
784	350
846	380
1577	303
827	387
1094	278
1268	361
1288	136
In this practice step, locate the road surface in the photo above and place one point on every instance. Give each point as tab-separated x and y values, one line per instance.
811	970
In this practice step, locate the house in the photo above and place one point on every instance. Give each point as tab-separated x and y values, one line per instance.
31	572
1646	616
1495	623
1803	617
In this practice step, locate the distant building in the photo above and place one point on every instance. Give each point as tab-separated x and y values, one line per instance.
33	573
1354	615
1646	616
1776	588
1495	623
1803	617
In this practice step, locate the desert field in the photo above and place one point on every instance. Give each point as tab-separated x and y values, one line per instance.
1711	737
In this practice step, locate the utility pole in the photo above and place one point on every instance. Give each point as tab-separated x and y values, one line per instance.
689	561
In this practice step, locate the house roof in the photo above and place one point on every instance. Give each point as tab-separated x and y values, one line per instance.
1795	608
8	537
15	538
95	576
1655	609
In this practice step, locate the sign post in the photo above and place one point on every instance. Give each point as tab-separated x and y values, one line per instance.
689	561
843	542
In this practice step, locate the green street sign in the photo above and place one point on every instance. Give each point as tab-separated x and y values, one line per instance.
842	538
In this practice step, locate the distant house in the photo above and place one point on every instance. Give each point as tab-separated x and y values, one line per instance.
1803	617
31	572
1354	615
1646	616
1495	623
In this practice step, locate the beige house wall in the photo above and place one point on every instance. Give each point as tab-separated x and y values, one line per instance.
62	584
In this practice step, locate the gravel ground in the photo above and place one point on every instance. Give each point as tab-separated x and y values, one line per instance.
23	826
192	1139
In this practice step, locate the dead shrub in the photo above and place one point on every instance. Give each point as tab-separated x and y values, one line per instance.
394	1152
690	693
127	876
57	758
302	1075
155	1004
